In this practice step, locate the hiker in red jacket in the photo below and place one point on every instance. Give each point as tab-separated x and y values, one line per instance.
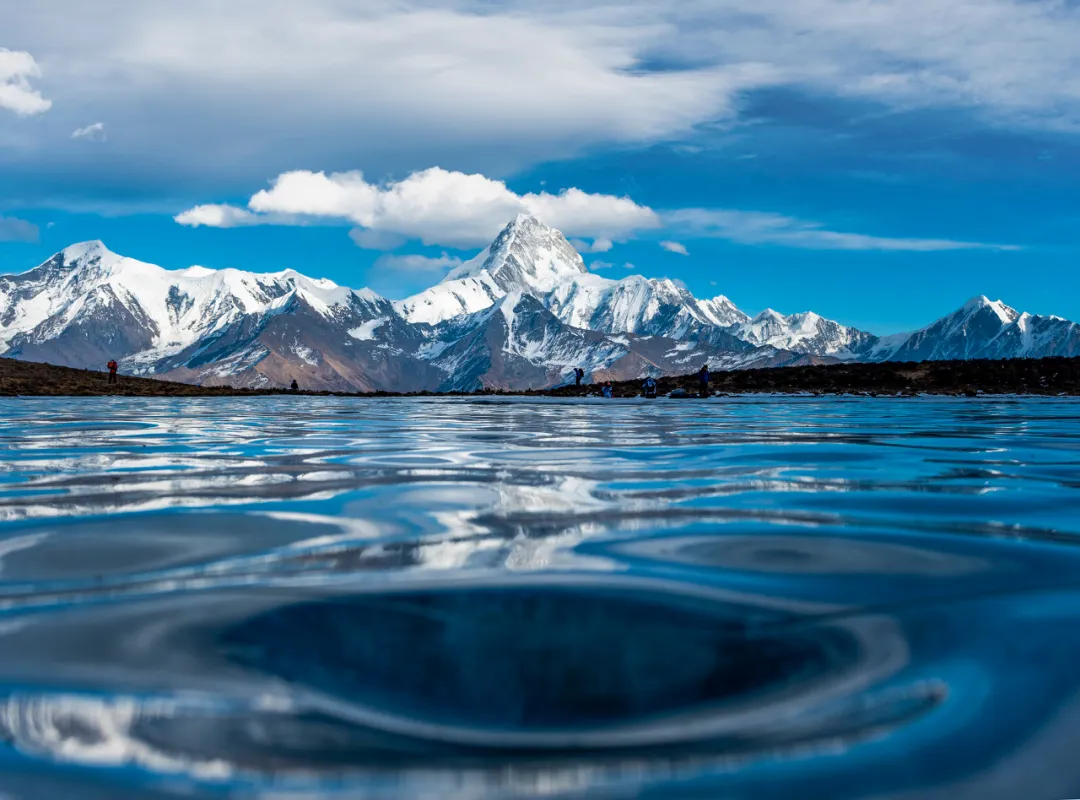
113	367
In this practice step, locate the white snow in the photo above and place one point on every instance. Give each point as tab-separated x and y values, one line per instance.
451	298
366	332
306	354
805	332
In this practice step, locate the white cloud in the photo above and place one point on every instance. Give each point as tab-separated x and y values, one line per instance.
16	94
675	247
1015	62
454	209
763	228
383	84
94	133
13	229
596	246
435	206
212	94
418	263
219	216
598	265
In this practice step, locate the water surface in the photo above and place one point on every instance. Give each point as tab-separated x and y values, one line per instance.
296	598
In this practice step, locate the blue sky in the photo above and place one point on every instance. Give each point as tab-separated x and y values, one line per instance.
876	161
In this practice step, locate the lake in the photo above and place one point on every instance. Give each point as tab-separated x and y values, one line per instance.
755	597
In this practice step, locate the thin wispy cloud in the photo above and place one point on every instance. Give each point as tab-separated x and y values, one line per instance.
763	228
675	247
417	263
93	133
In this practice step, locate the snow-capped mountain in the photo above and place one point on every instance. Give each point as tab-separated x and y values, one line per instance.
805	333
982	328
524	313
87	305
86	302
538	261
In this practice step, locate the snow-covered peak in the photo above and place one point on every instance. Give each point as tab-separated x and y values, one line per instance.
527	255
768	315
196	272
84	251
722	312
977	304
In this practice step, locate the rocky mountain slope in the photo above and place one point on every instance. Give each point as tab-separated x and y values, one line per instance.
522	314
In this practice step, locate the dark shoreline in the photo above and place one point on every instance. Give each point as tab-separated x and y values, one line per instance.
1046	376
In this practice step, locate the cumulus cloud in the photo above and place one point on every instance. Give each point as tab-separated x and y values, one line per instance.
436	206
418	263
764	228
596	246
13	229
94	132
675	247
16	94
599	265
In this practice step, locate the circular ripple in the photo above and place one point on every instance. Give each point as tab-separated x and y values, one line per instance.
544	665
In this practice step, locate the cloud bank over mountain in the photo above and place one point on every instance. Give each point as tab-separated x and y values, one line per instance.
435	206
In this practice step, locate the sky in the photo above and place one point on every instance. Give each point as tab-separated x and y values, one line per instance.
877	161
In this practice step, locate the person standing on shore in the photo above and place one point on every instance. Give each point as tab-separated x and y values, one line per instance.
703	380
112	367
579	376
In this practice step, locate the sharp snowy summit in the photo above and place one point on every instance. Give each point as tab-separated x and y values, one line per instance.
524	313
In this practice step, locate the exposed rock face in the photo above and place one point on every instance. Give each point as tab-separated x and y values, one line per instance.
522	314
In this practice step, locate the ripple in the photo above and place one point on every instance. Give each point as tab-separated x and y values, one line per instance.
759	597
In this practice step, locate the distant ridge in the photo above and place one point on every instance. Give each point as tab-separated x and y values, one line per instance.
523	314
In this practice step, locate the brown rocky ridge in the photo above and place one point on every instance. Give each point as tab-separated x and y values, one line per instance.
1044	376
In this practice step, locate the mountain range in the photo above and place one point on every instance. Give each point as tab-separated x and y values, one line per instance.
522	314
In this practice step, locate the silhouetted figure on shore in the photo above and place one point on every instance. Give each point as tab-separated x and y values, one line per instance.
703	380
579	376
649	387
607	391
112	367
294	386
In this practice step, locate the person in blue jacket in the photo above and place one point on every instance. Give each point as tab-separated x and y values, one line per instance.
649	387
607	390
703	380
